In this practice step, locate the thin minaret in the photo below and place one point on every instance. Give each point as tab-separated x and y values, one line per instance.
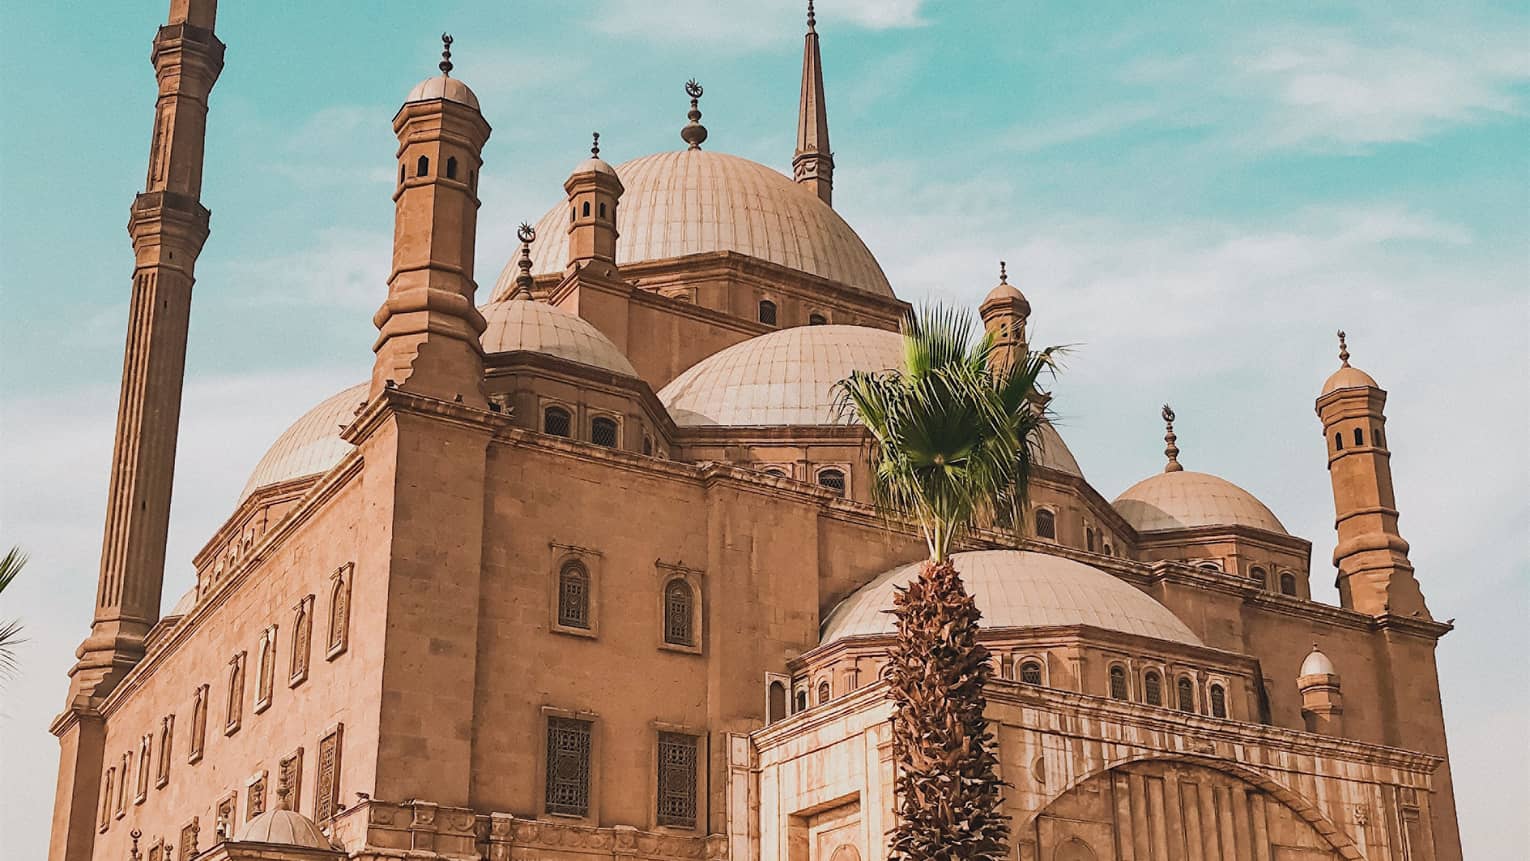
168	226
813	163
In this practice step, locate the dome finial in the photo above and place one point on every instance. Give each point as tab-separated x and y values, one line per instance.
527	235
1171	451
594	147
694	132
812	19
446	55
1343	349
1003	272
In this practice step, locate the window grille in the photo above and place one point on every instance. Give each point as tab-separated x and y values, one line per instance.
817	320
603	432
1288	584
1257	575
1186	694
823	692
556	421
1089	540
1117	683
568	766
677	779
1152	687
768	312
574	596
833	479
1046	524
1218	702
679	613
1030	673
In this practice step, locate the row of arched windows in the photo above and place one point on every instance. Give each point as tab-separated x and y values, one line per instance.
1286	581
1359	438
557	421
422	168
769	315
575	605
1153	691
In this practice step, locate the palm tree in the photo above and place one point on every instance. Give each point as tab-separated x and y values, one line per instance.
954	433
10	632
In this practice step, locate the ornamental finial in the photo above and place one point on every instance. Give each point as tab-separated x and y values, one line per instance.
812	19
135	834
282	789
1171	451
595	144
1003	272
694	132
527	235
446	55
1343	349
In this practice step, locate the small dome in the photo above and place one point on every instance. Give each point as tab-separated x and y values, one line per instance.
1348	378
186	603
525	324
443	87
1317	664
1181	500
1006	293
788	378
1019	589
311	445
284	828
593	164
697	201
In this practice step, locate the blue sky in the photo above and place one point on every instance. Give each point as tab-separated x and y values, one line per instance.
1195	195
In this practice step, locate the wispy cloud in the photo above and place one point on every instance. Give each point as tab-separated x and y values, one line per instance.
344	268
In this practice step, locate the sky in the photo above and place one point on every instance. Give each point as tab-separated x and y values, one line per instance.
1193	196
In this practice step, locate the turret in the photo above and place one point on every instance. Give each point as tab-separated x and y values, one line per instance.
593	194
428	327
1322	701
1374	574
813	162
1005	311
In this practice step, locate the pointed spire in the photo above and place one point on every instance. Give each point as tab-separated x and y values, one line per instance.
813	162
1171	451
694	132
446	55
1343	349
527	235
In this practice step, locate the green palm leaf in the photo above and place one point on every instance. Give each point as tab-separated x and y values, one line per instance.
10	631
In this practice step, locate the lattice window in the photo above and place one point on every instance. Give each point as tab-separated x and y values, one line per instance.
1288	583
326	795
1186	690
1089	539
833	479
557	422
339	612
568	766
189	833
574	596
1046	524
767	312
1152	688
1260	578
679	613
677	779
1030	672
816	319
823	692
1117	683
603	431
1218	701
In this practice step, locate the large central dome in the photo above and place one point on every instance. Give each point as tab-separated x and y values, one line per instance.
697	201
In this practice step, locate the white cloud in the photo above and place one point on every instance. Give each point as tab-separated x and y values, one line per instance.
345	268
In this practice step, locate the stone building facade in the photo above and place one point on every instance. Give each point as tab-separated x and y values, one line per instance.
588	570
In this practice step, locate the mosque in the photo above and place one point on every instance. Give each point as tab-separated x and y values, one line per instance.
586	568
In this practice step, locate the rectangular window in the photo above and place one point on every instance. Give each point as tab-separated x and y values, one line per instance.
568	766
326	795
677	779
290	774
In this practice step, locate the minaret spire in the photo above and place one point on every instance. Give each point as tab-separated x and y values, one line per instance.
813	163
1170	441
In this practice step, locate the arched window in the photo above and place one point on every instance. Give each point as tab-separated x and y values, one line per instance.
556	421
473	180
1359	437
1209	566
602	210
801	703
1046	524
679	613
647	444
833	479
816	319
1118	683
1089	539
1218	701
1109	551
775	702
574	596
823	692
422	167
451	167
1260	578
1338	441
1186	690
1288	583
1376	438
585	210
400	174
1030	672
1152	688
767	312
603	432
776	471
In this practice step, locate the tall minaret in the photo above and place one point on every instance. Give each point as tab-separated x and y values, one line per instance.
813	163
1005	311
168	225
428	327
1374	574
594	191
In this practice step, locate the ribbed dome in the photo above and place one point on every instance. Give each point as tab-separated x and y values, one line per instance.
1348	378
285	828
524	324
1019	589
186	603
311	445
788	378
1179	500
1317	664
442	87
695	201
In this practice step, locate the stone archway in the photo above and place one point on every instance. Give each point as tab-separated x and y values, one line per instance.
1172	810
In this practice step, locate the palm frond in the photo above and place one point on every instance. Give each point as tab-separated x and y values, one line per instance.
10	632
